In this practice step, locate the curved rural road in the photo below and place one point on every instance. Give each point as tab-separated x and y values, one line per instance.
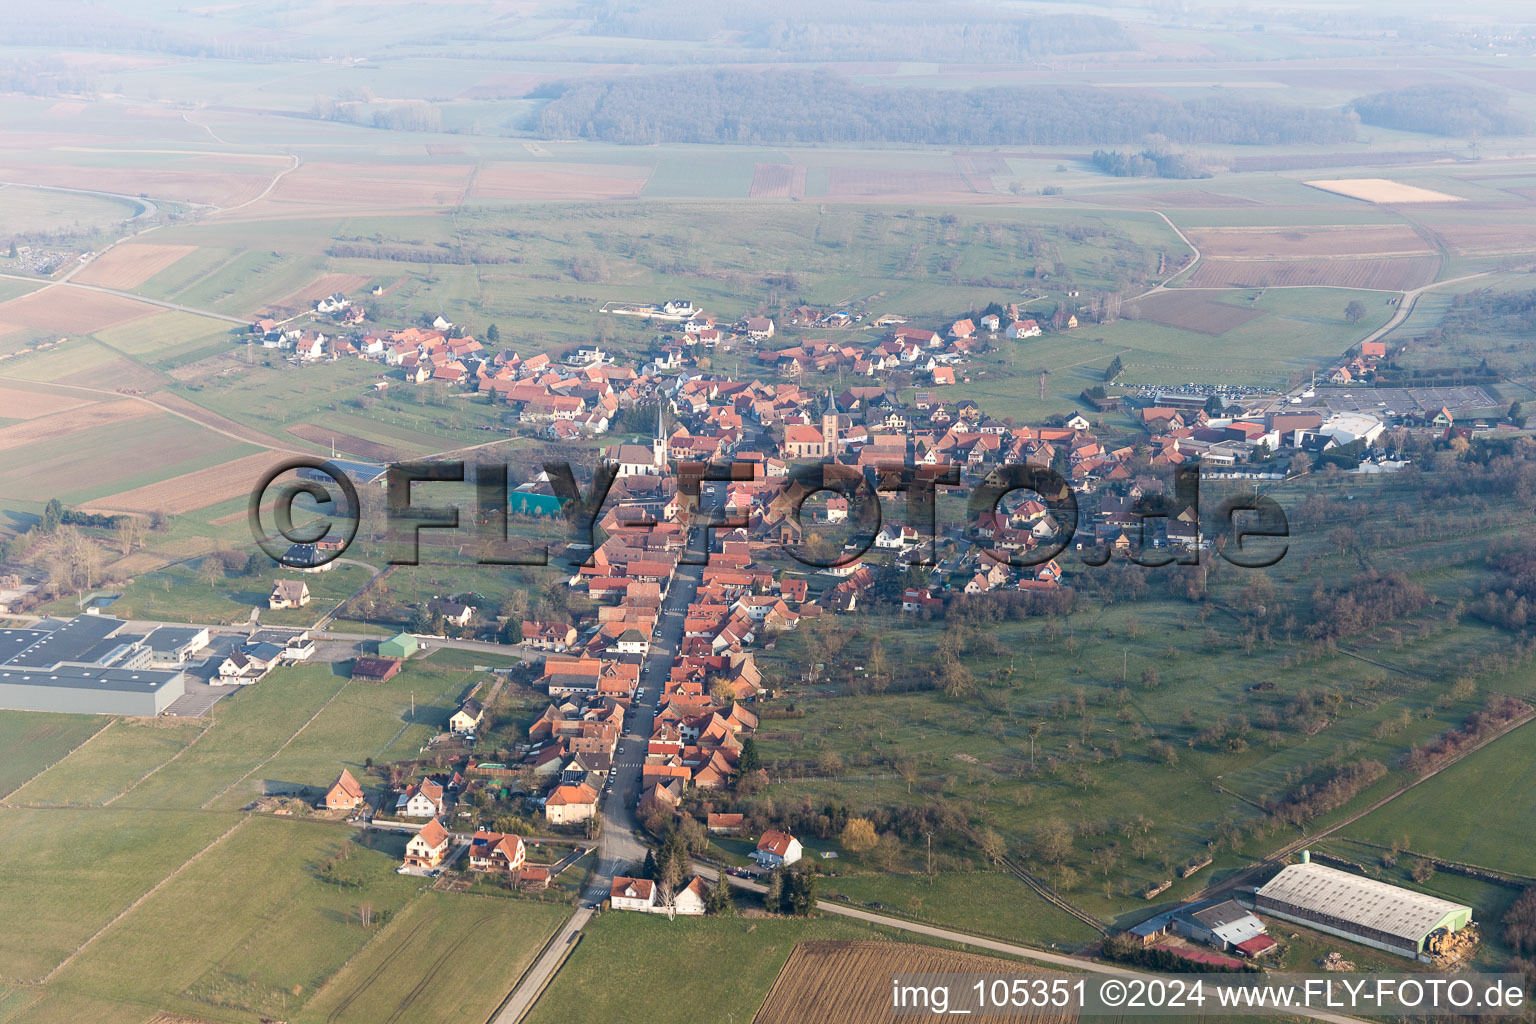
1411	297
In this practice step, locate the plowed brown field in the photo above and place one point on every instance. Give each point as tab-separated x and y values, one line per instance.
130	265
850	983
1394	274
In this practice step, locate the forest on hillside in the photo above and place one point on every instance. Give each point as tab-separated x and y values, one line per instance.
865	29
783	107
1458	111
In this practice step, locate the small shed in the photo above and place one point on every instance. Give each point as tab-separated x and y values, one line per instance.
401	645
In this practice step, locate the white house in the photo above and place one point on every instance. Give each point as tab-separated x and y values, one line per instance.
632	894
332	303
776	849
428	847
689	900
421	801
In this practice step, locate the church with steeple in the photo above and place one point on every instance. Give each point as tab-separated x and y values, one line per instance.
637	459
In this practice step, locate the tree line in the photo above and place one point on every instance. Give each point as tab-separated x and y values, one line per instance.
787	107
855	29
1455	110
1148	164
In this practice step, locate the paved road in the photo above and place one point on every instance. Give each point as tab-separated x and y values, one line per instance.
619	845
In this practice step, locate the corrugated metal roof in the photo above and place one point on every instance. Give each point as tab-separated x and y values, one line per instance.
1364	901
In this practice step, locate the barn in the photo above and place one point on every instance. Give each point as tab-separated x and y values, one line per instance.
1360	909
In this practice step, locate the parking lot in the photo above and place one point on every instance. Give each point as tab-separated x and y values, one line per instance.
1402	400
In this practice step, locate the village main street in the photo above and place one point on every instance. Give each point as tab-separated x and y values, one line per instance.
619	846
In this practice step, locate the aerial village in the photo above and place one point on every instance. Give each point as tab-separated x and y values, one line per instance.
668	653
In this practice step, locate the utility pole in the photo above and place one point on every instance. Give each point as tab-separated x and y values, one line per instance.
413	705
929	836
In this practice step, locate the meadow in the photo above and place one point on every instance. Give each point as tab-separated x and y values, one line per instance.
270	946
85	867
26	211
471	951
1476	812
118	757
34	742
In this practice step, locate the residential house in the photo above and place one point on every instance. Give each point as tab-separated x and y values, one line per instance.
345	794
776	849
632	894
726	824
570	805
496	851
423	800
288	594
428	847
467	718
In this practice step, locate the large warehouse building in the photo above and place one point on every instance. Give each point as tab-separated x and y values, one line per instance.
86	667
1361	909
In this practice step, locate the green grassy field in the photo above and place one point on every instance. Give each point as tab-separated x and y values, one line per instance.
367	721
113	761
26	210
469	952
1476	812
177	594
35	741
156	335
84	868
984	902
268	946
248	728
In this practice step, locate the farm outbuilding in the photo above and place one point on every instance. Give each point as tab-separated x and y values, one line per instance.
400	646
1360	909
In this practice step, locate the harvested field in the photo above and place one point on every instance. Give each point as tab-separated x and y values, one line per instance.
981	163
210	187
327	284
1193	311
1383	190
48	428
1311	241
777	181
1164	200
348	443
121	375
143	561
1487	238
850	982
65	311
373	186
857	181
193	490
1394	274
25	405
1310	161
559	181
130	265
214	421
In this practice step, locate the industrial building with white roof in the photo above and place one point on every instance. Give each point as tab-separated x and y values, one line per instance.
1361	909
